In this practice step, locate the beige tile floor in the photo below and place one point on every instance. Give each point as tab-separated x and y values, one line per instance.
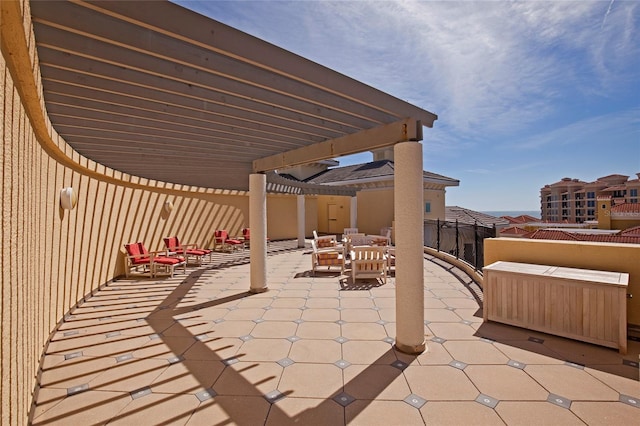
199	349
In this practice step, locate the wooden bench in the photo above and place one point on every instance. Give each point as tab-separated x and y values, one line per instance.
580	304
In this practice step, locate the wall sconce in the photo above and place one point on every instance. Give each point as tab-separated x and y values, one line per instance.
167	207
68	198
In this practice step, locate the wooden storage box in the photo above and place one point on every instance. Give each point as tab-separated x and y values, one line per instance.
580	304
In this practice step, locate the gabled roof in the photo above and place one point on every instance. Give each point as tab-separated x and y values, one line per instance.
471	217
613	178
521	219
158	91
380	170
513	230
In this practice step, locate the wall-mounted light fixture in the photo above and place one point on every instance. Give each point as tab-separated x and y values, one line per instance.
68	198
167	207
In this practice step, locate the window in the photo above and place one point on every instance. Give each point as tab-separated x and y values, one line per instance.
427	207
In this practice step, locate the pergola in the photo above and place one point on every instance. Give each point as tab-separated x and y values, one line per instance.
161	92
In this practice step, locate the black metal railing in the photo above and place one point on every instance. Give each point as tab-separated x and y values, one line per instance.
464	241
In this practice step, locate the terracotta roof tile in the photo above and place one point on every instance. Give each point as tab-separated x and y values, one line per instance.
626	208
631	231
514	230
553	234
523	218
549	234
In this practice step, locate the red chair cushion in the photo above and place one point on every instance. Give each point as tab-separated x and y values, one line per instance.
221	236
132	249
168	260
137	249
172	243
196	252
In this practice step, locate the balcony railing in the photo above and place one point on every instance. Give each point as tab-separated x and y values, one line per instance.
464	241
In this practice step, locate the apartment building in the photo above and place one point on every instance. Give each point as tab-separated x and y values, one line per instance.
575	201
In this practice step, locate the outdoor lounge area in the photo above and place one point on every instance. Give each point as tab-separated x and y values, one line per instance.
316	350
125	126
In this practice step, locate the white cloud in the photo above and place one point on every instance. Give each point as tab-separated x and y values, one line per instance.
518	86
603	129
484	67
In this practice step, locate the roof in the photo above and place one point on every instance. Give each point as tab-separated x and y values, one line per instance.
631	231
471	217
556	234
513	230
614	178
626	208
614	188
164	93
521	219
375	170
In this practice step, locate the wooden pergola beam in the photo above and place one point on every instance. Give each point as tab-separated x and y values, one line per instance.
408	129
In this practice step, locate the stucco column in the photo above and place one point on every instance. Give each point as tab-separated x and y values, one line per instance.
354	212
258	226
301	220
409	224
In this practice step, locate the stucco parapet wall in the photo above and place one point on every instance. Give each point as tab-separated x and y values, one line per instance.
23	65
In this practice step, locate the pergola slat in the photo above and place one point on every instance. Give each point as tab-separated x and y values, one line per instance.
124	85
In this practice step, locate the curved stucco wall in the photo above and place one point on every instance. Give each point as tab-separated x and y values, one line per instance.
53	258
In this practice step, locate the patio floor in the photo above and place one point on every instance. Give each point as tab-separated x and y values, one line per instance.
199	349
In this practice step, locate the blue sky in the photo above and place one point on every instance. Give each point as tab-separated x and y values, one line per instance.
526	92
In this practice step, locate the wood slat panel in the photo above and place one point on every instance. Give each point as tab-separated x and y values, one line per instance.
575	303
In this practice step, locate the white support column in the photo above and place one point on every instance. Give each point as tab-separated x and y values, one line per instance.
409	224
354	212
258	226
301	220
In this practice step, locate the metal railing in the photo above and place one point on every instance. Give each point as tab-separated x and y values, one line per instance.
464	241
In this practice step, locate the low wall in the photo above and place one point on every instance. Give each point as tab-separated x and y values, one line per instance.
458	263
574	254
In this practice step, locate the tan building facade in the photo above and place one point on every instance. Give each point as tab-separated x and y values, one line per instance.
373	206
575	201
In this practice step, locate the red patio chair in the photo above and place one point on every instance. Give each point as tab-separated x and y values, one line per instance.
225	243
151	262
189	251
